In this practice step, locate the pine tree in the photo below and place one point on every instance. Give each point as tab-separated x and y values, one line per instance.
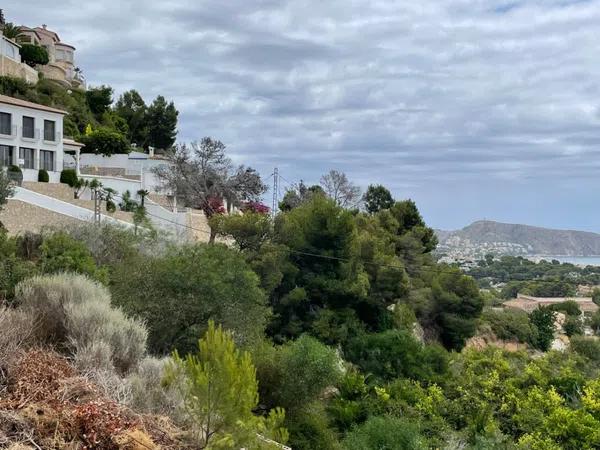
220	391
162	123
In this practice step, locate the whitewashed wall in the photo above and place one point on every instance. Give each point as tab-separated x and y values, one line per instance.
118	184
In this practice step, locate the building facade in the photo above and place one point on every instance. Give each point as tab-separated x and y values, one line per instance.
31	138
61	66
11	64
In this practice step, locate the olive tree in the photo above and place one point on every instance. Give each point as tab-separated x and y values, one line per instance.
341	190
203	177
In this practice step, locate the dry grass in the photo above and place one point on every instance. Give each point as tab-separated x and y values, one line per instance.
15	329
50	406
147	393
73	312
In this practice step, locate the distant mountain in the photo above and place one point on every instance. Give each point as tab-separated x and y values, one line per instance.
486	236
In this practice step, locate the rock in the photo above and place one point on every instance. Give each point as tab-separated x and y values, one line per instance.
418	332
561	343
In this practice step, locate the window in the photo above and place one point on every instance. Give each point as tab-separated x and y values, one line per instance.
28	127
5	123
47	160
10	51
49	130
27	155
6	155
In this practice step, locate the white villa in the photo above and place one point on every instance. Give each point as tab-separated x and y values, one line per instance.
31	138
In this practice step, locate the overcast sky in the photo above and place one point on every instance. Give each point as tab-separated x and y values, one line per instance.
473	108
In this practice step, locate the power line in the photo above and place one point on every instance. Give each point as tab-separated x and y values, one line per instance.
284	179
347	260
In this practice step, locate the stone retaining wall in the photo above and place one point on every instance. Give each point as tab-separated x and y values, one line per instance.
19	217
65	193
55	190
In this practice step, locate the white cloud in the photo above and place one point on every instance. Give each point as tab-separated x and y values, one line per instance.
430	98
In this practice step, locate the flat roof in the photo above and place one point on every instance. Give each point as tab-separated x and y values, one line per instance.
72	142
25	104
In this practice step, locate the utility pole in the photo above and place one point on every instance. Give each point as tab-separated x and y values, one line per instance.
275	192
97	205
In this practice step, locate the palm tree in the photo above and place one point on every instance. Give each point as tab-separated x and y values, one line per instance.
109	194
12	31
94	186
143	194
80	187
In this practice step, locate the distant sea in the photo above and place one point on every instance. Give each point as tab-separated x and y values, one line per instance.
578	260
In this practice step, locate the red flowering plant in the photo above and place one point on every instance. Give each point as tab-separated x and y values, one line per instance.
255	207
212	206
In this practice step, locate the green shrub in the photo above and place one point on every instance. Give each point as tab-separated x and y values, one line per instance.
185	288
14	87
596	296
69	176
127	203
510	325
33	55
396	353
60	252
105	141
310	430
404	317
385	432
43	176
15	174
569	307
13	269
543	319
73	313
296	373
586	346
111	244
573	326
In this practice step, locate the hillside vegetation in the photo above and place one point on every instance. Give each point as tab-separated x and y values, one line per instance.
93	119
328	328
